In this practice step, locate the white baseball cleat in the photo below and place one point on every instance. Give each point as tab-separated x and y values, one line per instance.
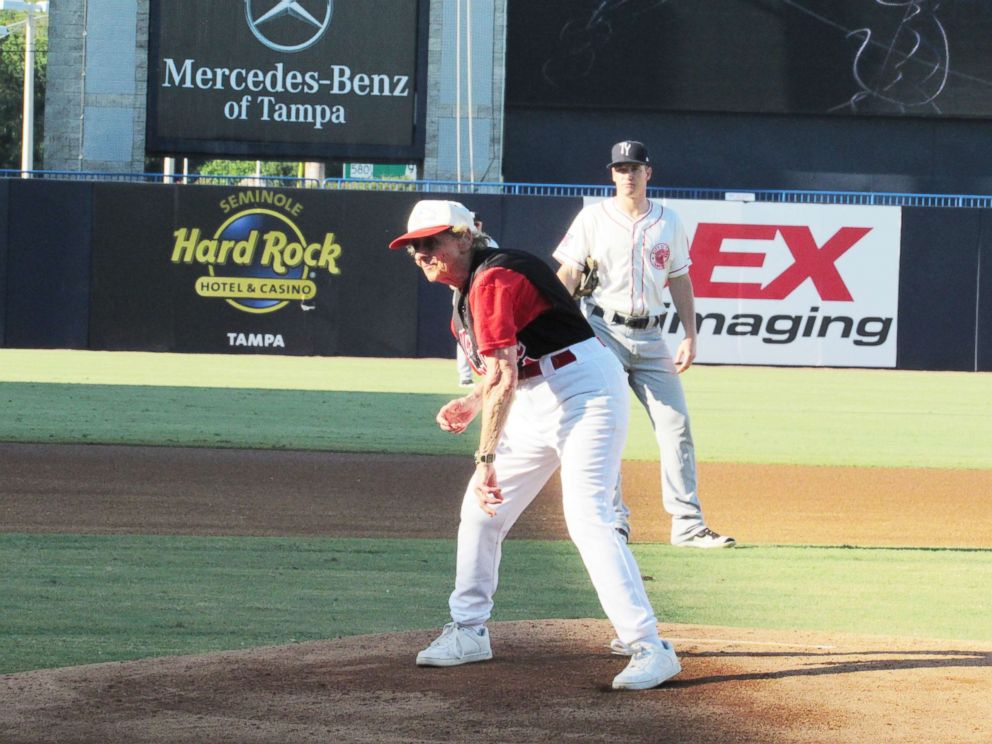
457	644
650	665
705	538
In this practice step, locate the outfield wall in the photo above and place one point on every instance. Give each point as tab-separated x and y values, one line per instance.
242	270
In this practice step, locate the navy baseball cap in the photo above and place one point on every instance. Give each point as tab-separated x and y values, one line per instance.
629	151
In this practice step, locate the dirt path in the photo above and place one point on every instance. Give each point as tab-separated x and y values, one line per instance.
155	490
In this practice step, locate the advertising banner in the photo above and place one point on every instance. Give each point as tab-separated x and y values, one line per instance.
250	271
289	78
792	284
241	261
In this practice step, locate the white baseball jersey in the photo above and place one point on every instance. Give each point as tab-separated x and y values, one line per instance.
636	257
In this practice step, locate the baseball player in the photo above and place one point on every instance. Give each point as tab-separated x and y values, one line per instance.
638	246
550	394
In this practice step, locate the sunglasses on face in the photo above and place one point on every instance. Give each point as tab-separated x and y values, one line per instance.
425	245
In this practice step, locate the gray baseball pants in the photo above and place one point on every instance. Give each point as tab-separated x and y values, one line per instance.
651	375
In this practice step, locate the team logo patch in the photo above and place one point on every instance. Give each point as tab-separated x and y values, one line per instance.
659	255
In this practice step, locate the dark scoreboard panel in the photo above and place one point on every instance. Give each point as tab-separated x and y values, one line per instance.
847	57
308	79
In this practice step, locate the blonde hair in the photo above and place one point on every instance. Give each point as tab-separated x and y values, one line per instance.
479	239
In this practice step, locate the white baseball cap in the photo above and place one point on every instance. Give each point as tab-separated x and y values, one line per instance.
433	216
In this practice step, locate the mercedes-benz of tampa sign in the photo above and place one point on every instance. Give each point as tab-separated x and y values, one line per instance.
291	78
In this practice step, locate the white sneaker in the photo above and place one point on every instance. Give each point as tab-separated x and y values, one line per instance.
706	538
650	665
619	648
456	645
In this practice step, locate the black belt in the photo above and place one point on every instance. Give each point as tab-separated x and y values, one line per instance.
639	321
533	369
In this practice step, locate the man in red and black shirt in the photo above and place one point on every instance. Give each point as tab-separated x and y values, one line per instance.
550	395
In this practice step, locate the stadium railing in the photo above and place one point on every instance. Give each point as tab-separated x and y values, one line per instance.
867	198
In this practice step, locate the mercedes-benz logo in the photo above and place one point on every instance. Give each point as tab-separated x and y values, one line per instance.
289	25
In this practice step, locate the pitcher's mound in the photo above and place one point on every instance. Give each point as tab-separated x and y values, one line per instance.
549	682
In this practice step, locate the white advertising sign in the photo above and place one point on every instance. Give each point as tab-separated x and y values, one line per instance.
793	284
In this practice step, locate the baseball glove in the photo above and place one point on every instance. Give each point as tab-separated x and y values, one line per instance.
589	280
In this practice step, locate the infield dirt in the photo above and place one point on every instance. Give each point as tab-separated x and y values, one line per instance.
550	679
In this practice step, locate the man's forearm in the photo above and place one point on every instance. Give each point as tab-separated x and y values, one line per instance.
498	387
685	303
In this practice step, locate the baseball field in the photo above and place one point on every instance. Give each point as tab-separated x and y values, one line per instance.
252	549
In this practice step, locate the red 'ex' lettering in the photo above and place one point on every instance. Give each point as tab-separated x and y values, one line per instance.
809	260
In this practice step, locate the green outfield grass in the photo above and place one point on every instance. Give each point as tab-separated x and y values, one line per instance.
72	600
872	418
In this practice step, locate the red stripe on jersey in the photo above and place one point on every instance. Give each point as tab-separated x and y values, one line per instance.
502	302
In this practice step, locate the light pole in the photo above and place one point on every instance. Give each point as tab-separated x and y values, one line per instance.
27	130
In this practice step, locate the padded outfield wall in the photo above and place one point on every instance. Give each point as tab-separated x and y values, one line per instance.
242	270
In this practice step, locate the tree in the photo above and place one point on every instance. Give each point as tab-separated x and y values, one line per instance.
12	90
247	168
229	170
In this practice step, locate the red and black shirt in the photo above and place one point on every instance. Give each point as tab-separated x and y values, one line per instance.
514	298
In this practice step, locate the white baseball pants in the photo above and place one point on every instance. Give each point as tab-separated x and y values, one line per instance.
574	417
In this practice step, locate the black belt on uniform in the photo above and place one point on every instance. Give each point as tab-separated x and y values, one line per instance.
640	321
533	369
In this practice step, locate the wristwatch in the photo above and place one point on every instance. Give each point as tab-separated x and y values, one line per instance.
480	459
